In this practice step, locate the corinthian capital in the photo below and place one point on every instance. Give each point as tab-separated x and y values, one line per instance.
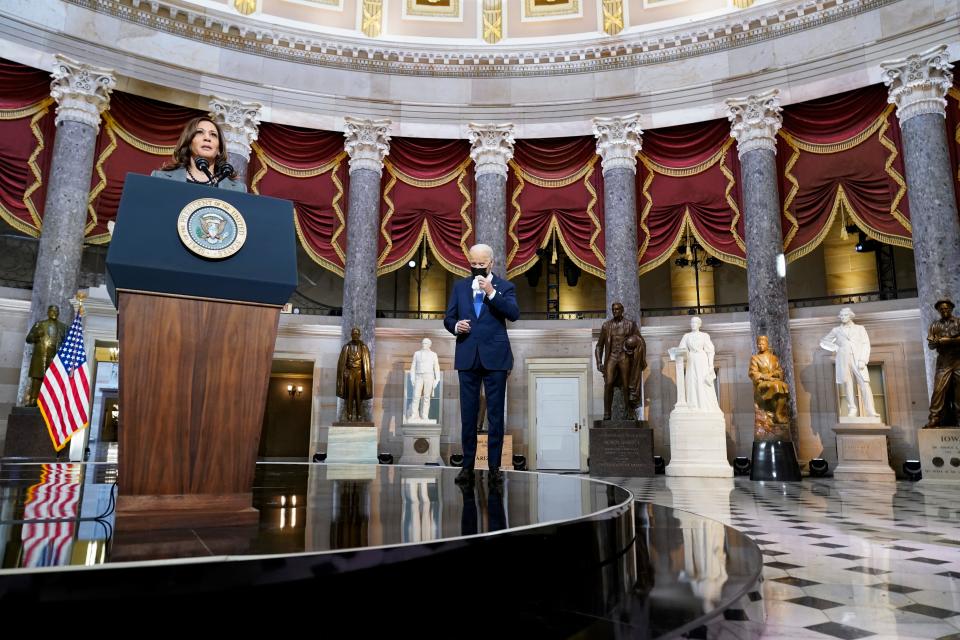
918	83
491	147
368	143
618	141
82	91
755	120
239	121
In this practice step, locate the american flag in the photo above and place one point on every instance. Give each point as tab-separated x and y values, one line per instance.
65	392
56	497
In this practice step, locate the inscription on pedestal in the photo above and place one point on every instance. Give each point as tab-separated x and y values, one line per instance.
506	457
621	452
940	454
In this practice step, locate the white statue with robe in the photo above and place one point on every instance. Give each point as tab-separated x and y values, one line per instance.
852	346
697	351
425	377
698	432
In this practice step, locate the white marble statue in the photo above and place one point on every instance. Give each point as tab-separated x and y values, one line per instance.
852	346
424	376
699	375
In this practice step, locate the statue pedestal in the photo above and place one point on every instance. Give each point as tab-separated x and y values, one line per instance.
862	450
506	455
698	444
774	460
421	443
352	442
621	448
27	435
939	455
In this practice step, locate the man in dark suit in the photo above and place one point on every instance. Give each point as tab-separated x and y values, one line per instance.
477	314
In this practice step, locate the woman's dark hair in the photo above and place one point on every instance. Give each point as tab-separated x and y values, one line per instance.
181	154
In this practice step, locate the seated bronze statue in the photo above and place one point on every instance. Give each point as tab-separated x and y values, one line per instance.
771	395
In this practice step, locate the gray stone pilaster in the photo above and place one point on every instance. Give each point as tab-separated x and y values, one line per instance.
755	121
491	150
918	85
240	123
367	143
82	93
618	141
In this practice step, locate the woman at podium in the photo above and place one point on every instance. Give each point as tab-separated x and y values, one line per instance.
200	157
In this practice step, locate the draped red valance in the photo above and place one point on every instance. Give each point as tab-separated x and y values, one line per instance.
310	168
686	182
841	156
137	135
427	196
555	187
953	136
26	144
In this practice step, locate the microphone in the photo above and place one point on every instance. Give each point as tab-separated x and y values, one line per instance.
224	171
204	166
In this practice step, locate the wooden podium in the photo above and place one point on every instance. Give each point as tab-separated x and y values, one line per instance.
196	339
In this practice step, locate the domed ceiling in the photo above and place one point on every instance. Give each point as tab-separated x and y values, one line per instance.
477	21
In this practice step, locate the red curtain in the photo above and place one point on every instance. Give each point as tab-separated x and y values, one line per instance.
26	144
841	156
953	135
555	189
310	168
428	195
137	135
686	184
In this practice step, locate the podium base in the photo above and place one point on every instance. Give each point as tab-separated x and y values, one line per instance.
775	460
145	512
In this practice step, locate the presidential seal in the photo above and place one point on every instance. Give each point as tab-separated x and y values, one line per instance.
212	228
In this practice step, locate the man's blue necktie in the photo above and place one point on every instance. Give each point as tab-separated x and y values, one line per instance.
478	303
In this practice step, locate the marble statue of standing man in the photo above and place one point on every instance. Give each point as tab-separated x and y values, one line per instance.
852	346
700	375
425	376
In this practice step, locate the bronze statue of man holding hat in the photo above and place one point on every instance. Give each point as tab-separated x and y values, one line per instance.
944	336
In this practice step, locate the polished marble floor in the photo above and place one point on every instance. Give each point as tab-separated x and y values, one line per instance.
842	560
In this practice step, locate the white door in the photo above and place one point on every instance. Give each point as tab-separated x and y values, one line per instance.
558	423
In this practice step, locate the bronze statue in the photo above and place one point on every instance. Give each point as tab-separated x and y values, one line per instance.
621	358
46	336
771	395
354	377
944	336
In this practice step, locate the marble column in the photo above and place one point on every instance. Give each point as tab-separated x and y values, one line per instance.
82	93
618	141
754	122
918	85
240	122
491	149
367	144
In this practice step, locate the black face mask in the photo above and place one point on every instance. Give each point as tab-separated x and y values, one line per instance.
477	271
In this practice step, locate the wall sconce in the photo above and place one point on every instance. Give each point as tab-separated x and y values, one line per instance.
294	391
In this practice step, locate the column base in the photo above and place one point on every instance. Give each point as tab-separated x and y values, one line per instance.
775	460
